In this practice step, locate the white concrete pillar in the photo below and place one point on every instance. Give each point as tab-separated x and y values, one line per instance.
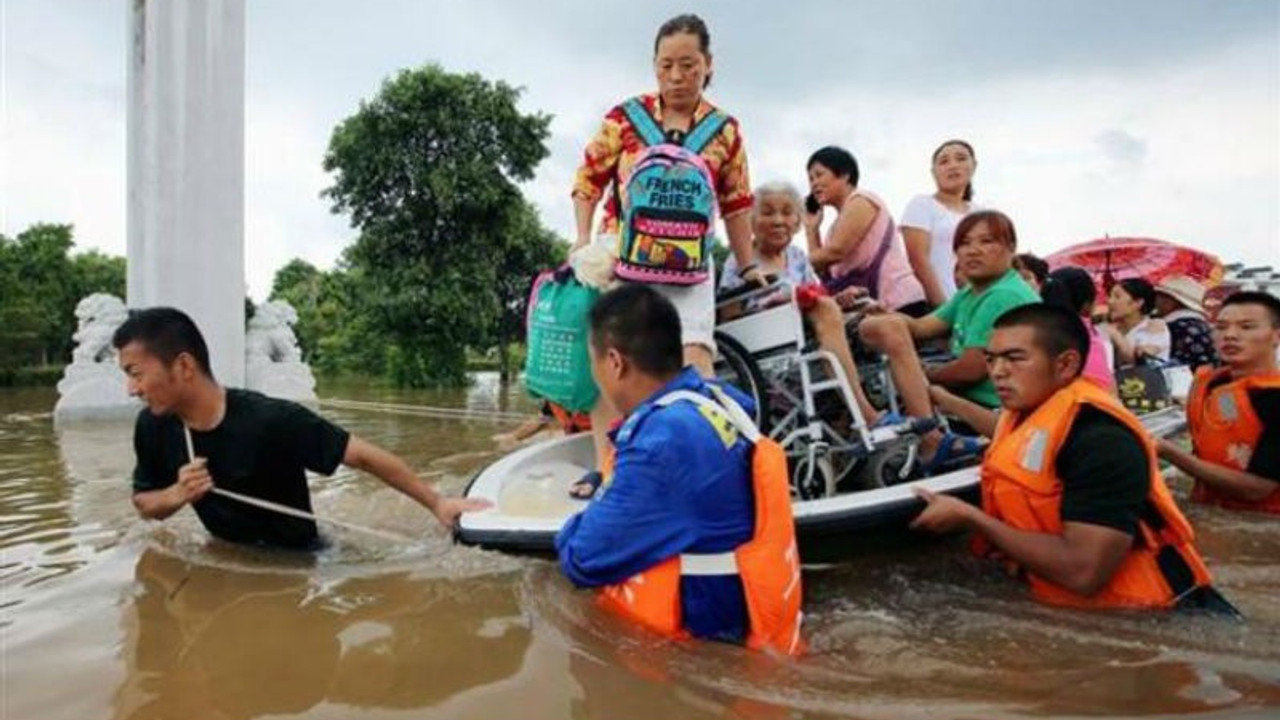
186	168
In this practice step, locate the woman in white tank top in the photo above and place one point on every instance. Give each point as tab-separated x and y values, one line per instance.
929	221
1135	334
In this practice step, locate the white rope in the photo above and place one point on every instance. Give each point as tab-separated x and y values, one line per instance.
445	413
285	509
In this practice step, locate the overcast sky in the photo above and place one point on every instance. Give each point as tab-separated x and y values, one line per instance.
1124	117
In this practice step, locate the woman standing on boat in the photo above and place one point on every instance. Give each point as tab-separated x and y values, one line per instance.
682	66
861	249
678	118
929	221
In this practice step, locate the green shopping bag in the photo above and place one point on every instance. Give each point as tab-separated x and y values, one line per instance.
558	364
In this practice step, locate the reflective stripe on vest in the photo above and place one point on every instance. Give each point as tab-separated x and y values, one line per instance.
768	564
1225	430
1020	486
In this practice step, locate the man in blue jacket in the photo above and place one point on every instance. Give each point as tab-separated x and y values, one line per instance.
681	481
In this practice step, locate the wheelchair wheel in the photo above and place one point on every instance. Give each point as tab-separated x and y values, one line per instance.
885	467
734	365
812	481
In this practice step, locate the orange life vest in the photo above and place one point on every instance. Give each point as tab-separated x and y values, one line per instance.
1020	486
1225	430
768	564
572	423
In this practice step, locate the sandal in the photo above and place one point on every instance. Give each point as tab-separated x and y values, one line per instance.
951	450
888	418
586	486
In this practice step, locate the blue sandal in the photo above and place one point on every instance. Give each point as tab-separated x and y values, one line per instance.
888	418
586	486
951	450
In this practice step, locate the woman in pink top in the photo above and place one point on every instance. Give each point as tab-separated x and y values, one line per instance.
1073	289
862	247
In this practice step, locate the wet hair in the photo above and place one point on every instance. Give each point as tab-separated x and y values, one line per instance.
1142	291
166	333
642	325
777	187
1038	268
1056	329
1255	297
838	160
1070	288
968	188
997	222
691	24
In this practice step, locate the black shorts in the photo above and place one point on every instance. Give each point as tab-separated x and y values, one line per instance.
917	309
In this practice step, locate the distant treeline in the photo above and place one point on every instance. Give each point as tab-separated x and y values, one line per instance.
40	283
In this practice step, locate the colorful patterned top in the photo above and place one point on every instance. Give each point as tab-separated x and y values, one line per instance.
616	148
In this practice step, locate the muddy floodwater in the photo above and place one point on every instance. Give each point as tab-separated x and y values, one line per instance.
103	615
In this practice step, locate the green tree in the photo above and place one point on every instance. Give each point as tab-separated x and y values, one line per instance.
299	284
427	171
95	272
334	328
40	284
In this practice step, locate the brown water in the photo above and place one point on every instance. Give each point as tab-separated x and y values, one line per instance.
103	615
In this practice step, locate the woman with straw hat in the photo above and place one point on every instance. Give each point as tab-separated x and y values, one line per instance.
1180	302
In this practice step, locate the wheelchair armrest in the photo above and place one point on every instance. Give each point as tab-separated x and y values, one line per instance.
748	291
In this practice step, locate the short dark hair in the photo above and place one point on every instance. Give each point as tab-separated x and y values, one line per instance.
692	25
166	333
1071	288
1256	297
1142	291
839	161
1032	264
1057	329
997	222
640	323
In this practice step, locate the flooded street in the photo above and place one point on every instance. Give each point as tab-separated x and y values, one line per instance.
103	615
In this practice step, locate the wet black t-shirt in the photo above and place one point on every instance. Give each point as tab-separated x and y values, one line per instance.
1105	472
262	447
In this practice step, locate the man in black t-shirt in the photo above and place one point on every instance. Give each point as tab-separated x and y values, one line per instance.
1233	412
1071	492
195	434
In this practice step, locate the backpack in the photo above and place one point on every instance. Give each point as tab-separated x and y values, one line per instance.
558	364
667	225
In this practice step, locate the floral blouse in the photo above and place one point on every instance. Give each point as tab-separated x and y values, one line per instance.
616	147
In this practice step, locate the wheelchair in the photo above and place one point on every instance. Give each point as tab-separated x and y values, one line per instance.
804	399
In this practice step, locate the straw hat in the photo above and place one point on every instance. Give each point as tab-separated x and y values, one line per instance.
1186	291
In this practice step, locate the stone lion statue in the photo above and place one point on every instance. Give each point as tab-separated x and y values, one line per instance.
271	336
93	386
98	316
273	362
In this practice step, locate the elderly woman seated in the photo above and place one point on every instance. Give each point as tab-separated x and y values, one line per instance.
775	219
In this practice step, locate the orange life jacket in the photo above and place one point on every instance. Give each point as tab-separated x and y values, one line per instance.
768	563
572	423
1225	430
1020	486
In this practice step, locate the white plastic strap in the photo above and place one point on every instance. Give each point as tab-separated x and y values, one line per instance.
718	564
723	403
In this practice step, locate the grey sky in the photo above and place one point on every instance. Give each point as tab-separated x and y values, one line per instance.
1142	118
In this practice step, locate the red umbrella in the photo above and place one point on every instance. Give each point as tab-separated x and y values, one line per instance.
1111	259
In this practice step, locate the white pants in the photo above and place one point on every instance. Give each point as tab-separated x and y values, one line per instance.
696	304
